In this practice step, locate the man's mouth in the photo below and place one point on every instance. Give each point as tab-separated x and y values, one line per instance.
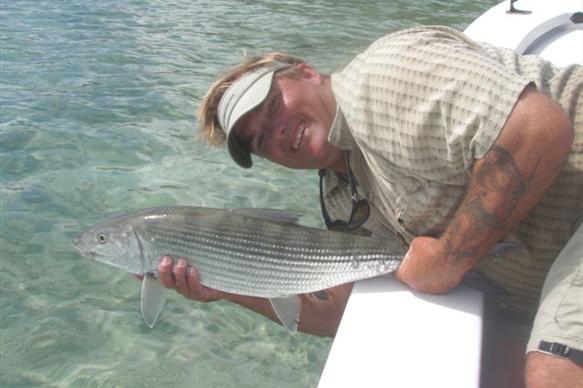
298	138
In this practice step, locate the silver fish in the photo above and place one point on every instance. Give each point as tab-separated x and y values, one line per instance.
254	252
261	253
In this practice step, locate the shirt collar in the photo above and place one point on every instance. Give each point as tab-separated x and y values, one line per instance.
340	135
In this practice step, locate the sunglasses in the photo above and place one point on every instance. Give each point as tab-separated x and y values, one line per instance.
360	207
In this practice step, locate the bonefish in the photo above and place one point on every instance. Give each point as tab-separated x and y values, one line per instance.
262	253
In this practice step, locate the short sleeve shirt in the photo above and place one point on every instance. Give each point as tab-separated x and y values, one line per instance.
417	109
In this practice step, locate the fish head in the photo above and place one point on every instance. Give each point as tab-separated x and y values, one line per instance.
114	243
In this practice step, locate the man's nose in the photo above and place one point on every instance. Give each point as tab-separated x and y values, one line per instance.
277	132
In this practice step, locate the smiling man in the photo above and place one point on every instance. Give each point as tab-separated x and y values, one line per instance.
286	121
455	145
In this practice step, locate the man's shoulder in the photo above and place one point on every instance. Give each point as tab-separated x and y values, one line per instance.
419	35
401	47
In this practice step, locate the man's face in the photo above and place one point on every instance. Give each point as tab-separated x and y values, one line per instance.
291	126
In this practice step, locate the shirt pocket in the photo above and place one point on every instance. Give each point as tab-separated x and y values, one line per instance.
425	208
404	203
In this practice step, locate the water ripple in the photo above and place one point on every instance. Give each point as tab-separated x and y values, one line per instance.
160	373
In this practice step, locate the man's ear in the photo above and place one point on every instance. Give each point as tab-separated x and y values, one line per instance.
308	72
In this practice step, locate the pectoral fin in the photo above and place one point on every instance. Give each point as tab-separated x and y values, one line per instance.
287	310
152	300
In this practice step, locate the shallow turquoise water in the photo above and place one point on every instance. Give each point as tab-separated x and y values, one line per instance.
97	116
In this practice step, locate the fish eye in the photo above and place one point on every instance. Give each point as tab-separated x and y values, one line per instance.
101	238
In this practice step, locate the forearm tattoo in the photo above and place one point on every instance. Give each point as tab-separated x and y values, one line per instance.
494	193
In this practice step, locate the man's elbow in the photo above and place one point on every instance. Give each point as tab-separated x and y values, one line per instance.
551	127
567	135
559	135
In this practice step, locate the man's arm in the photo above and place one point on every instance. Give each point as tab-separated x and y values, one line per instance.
505	185
320	313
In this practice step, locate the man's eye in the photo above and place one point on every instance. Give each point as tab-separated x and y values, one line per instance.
261	142
273	104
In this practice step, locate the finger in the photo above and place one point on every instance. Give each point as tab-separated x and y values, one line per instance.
198	291
179	272
399	276
193	280
194	285
402	275
165	272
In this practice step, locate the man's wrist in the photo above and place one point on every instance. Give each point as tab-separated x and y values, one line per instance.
461	260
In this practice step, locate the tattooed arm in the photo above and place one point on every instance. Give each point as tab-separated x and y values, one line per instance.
505	185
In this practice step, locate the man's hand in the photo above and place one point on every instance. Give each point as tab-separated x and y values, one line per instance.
182	277
427	268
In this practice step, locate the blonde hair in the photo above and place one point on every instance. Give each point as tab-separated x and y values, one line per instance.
210	129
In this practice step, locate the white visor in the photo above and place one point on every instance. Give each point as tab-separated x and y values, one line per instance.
240	98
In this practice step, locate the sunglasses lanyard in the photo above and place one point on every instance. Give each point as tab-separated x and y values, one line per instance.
356	201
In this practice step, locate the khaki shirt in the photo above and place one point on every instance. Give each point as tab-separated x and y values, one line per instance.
416	110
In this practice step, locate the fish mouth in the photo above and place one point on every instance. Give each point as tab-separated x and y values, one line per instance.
80	247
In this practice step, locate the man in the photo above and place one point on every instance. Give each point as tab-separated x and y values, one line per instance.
455	145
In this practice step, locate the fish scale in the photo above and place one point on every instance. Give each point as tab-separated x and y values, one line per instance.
242	253
253	252
262	265
245	255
